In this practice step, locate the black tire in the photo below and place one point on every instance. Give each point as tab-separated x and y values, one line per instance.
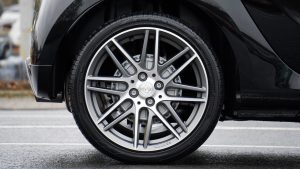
75	92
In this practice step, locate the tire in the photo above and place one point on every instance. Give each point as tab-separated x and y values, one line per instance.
88	96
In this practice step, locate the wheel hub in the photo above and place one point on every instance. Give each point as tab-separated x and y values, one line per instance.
146	89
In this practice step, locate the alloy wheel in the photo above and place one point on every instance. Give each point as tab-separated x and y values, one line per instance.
147	100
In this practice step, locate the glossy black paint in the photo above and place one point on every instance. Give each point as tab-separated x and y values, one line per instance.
267	61
279	22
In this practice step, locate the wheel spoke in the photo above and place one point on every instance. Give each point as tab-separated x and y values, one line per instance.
148	129
108	79
106	91
187	87
136	129
166	123
128	57
118	119
111	109
185	99
178	71
172	60
176	117
156	52
116	61
144	50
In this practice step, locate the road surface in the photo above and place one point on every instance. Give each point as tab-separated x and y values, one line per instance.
50	139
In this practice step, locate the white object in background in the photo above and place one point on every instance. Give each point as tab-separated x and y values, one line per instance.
27	10
15	33
10	15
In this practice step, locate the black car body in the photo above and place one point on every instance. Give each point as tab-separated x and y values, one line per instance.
261	41
257	43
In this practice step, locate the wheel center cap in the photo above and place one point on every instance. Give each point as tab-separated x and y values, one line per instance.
146	89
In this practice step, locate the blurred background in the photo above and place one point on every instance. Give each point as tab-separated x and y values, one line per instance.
15	39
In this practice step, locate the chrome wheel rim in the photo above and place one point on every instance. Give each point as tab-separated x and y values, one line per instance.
139	100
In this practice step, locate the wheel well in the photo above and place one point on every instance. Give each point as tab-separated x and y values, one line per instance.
183	10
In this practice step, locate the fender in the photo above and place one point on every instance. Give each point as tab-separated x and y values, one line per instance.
54	18
52	21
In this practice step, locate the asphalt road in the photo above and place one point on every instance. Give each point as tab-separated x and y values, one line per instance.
50	139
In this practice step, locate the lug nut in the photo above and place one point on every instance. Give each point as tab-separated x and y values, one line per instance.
159	85
150	101
133	92
143	76
137	59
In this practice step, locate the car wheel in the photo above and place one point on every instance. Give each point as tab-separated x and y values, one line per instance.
146	89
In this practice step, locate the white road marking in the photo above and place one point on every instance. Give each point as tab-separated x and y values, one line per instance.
74	126
45	144
206	145
257	128
37	126
35	116
252	146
